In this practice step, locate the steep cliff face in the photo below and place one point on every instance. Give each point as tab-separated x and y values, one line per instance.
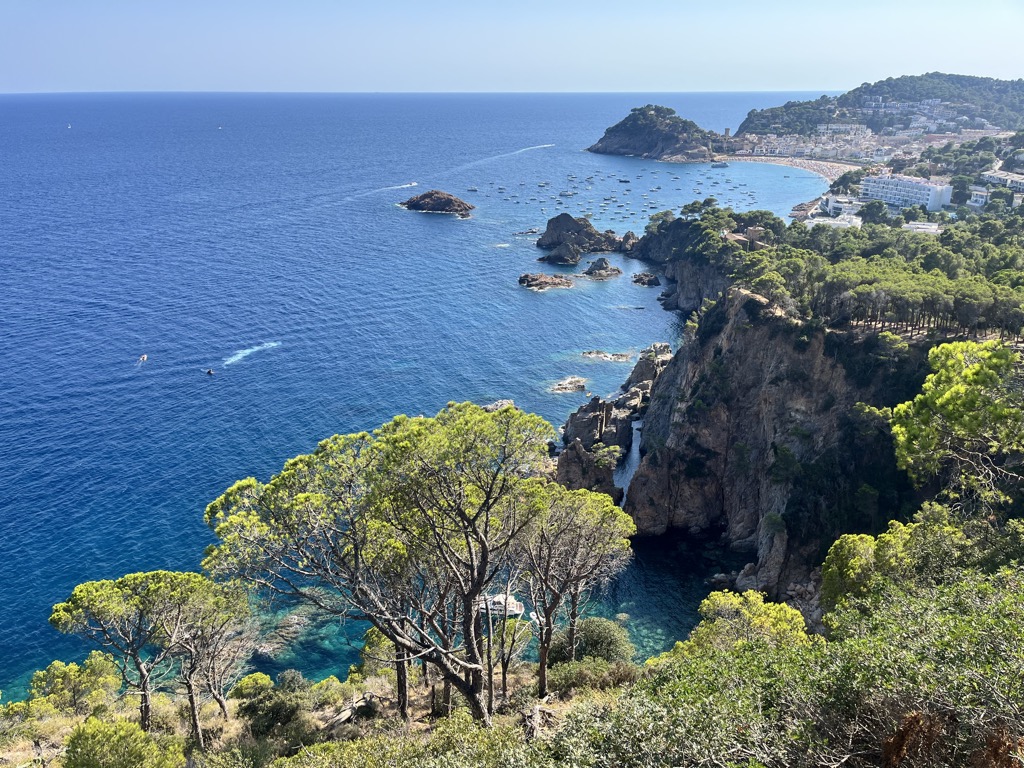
753	440
599	434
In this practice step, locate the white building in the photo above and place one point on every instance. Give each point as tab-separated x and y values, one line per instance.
1014	181
906	191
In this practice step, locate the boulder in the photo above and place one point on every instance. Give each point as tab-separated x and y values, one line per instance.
600	421
579	468
601	269
436	201
627	243
565	254
646	278
651	363
541	282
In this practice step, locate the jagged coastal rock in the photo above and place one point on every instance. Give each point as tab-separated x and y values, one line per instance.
646	279
601	269
563	229
658	133
753	440
628	242
565	254
436	201
538	281
608	424
570	384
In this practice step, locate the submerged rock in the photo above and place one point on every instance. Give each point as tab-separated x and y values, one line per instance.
570	384
609	357
436	201
541	282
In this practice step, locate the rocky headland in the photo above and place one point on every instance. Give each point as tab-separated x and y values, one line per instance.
436	201
660	134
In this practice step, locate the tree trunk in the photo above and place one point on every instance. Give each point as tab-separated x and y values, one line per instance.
574	615
193	709
542	671
402	683
145	709
221	702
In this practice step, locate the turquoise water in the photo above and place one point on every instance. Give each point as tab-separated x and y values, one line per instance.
259	236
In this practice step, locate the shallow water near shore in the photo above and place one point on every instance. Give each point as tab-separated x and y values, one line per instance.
259	237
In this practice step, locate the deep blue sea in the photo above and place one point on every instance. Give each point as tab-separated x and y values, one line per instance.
258	235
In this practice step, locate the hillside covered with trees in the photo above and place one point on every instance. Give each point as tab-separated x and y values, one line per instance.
1001	102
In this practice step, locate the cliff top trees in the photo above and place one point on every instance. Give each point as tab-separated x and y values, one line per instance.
410	528
157	622
968	422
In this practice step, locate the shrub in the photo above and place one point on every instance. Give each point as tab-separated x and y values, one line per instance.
595	637
251	686
122	744
591	673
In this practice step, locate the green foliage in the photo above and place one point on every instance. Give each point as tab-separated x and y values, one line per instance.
71	689
591	673
968	421
455	742
596	637
251	686
121	744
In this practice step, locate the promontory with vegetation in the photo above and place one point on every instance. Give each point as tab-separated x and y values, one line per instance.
844	419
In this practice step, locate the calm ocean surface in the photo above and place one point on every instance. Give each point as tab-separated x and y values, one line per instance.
258	235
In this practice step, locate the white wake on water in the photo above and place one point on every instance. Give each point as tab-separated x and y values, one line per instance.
244	353
497	157
381	189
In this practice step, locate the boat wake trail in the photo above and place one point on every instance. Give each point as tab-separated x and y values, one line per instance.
381	189
496	157
244	353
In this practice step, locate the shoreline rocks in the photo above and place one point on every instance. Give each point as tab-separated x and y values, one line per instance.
436	201
608	357
541	282
569	384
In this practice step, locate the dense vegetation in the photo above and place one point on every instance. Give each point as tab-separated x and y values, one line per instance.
1001	102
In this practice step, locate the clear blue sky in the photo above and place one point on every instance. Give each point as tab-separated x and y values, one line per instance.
484	45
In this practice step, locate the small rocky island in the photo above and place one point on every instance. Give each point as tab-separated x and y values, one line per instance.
601	269
659	133
436	201
538	281
567	239
646	278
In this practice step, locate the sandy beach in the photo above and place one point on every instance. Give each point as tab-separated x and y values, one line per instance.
829	169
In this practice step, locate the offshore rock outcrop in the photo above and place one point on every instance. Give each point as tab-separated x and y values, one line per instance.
600	433
563	229
601	269
436	201
538	281
753	441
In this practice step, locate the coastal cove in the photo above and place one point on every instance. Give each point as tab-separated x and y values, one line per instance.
260	237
